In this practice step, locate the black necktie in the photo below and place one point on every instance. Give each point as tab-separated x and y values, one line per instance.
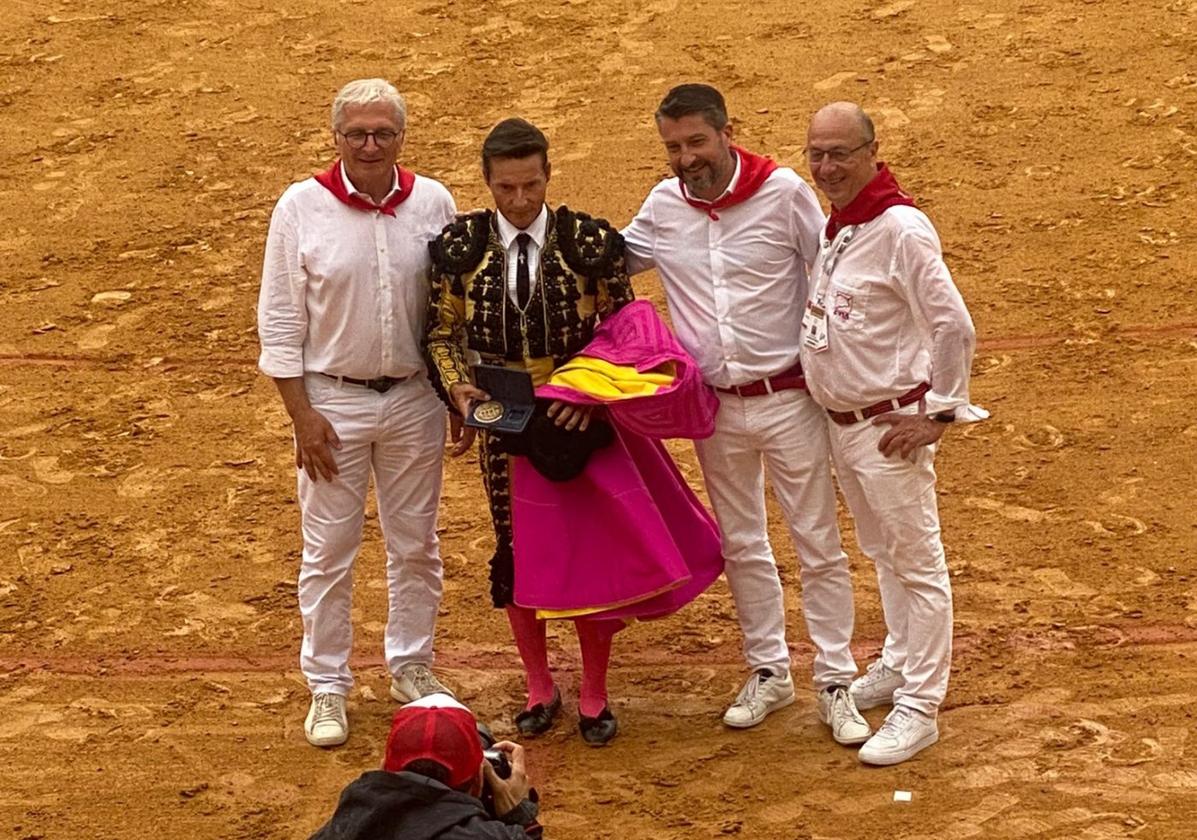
523	282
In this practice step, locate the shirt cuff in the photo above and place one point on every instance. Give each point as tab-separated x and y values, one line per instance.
281	362
962	412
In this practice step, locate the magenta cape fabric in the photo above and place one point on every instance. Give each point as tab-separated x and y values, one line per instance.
637	337
627	536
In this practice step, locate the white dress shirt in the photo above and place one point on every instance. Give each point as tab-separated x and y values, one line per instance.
735	285
507	237
895	320
345	291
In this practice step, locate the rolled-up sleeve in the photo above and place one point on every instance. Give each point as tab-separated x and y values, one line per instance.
640	240
937	302
282	305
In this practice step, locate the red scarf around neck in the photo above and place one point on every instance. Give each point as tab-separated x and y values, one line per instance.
880	193
754	169
332	181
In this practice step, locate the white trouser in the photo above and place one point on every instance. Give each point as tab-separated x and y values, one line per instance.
892	501
785	432
399	436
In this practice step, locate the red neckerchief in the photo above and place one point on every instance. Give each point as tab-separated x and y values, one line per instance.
754	169
332	181
878	194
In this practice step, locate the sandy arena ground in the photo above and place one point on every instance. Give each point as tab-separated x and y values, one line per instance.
148	528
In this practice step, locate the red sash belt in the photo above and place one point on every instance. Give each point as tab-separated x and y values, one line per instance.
847	418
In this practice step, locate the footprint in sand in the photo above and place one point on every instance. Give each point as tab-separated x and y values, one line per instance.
1009	511
893	9
835	81
1117	525
96	337
1044	437
1059	583
46	470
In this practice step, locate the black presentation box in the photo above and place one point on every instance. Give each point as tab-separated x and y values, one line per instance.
511	403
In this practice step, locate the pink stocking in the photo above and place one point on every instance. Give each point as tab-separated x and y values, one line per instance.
594	636
529	632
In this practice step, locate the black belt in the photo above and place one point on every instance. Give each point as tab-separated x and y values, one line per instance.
381	384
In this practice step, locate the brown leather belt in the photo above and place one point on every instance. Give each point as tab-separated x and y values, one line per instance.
847	418
381	384
783	381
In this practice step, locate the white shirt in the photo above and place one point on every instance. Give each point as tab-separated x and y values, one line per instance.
735	286
345	291
508	232
895	319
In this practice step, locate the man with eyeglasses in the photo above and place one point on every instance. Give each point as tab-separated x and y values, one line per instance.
732	236
341	320
887	347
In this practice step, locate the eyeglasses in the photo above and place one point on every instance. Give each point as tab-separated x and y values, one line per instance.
357	139
833	155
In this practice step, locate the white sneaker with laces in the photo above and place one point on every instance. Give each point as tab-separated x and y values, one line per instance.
837	710
763	693
327	725
876	686
416	681
904	733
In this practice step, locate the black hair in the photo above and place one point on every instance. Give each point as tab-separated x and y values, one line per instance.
704	100
514	138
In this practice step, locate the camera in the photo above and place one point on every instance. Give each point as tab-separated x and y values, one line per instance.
497	759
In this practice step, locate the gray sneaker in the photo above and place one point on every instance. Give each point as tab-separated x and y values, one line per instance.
416	681
876	686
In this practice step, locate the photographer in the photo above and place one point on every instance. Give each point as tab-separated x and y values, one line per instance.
433	781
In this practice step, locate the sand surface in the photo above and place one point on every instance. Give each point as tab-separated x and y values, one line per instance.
148	527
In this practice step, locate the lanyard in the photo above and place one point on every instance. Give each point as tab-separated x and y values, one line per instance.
831	259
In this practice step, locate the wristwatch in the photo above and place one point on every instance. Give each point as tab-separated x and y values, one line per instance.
944	417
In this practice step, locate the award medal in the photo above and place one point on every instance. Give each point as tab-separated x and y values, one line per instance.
490	411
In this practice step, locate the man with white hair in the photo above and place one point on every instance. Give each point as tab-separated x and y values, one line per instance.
341	318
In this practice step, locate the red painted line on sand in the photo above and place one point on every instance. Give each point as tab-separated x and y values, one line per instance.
472	658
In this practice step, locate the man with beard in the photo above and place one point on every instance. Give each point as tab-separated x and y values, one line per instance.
887	348
732	237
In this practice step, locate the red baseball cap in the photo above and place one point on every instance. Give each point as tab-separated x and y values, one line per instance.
440	729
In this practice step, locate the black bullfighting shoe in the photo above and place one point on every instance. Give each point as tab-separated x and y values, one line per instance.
597	731
539	719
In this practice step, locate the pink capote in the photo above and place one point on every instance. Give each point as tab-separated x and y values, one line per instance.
627	538
636	336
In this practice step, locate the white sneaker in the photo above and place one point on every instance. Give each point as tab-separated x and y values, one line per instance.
327	724
837	710
903	734
416	681
876	686
763	693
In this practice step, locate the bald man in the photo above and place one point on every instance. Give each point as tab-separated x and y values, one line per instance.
887	345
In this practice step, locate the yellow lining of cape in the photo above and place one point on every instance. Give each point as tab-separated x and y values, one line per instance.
609	382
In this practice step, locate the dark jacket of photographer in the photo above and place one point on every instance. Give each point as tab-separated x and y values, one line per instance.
381	805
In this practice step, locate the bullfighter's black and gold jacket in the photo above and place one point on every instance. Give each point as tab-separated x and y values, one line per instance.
582	279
